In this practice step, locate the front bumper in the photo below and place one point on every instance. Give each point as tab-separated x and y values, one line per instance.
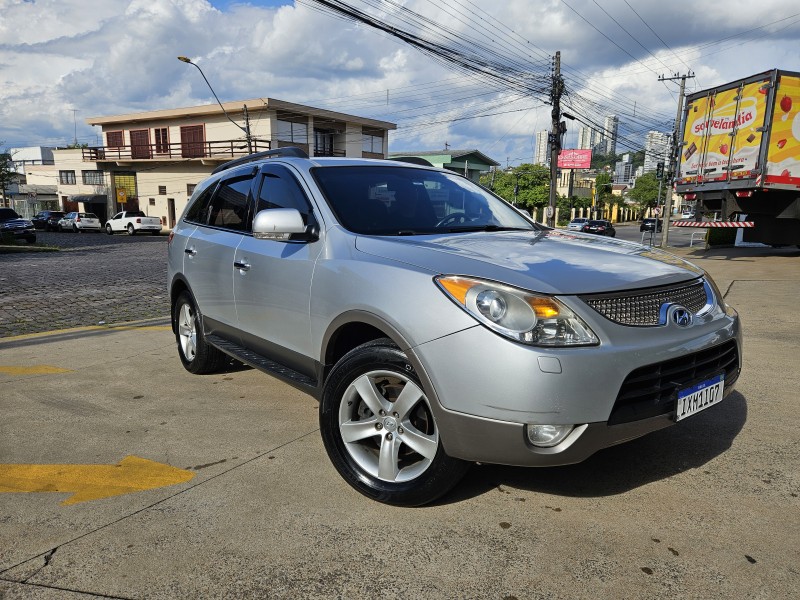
485	389
26	233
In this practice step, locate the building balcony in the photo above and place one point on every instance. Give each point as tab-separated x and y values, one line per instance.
206	152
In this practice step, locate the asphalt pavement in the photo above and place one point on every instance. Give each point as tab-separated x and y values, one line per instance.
218	486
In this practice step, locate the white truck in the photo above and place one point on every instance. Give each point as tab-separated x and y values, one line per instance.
133	221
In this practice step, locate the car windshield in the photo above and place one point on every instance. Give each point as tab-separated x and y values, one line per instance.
384	200
7	213
597	223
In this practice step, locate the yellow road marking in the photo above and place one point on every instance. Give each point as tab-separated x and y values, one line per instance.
33	370
91	482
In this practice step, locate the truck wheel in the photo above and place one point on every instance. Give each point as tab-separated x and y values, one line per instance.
379	431
109	231
131	230
196	354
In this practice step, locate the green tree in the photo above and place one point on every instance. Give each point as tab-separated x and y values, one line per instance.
602	184
7	173
531	182
645	192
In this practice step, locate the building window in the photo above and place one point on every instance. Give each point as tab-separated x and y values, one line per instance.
323	142
192	141
140	143
66	177
292	132
371	142
114	139
152	201
92	177
162	190
162	143
190	188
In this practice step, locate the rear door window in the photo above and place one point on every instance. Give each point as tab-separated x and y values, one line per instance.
225	205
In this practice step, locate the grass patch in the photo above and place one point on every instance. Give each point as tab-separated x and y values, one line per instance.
721	236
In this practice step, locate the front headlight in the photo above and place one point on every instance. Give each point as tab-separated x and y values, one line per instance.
524	317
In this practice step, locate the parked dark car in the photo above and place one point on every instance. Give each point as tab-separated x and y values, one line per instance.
600	227
650	225
47	219
11	222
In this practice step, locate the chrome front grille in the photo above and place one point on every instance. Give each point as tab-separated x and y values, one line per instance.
643	308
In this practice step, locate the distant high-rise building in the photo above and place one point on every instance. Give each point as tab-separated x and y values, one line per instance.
610	126
623	173
587	138
542	149
656	150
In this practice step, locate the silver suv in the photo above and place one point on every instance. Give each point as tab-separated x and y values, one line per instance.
437	325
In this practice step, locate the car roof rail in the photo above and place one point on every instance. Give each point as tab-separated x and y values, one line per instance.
287	151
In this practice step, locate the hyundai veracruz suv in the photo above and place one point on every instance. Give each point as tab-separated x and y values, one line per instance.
436	325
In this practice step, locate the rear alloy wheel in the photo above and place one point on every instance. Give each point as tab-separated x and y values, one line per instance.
379	431
75	228
196	354
109	231
131	230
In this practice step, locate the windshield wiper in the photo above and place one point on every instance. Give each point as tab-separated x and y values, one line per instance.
488	228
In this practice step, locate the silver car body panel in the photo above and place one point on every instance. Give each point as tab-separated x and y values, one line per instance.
484	388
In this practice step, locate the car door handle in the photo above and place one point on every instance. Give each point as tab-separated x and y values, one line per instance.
190	251
238	264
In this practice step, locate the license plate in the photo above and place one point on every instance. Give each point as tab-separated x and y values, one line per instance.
698	397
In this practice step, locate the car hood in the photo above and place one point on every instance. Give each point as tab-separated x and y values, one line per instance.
551	261
16	223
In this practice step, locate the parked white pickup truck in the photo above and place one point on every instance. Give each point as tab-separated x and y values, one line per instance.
133	221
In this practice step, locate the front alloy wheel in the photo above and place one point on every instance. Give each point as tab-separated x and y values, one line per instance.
379	430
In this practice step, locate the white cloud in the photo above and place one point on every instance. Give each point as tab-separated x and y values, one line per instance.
119	56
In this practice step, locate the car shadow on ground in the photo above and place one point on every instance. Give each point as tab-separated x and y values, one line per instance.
687	445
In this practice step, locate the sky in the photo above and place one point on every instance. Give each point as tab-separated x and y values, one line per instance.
483	87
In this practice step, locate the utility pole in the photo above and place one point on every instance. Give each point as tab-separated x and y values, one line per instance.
672	166
247	130
555	136
75	123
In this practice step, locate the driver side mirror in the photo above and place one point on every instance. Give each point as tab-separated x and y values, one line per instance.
282	224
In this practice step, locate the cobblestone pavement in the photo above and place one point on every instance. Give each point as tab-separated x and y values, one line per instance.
94	279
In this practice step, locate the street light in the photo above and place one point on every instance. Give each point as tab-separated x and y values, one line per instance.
246	129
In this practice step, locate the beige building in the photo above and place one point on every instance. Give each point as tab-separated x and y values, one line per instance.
152	161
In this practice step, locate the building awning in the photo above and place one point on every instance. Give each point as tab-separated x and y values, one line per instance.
90	199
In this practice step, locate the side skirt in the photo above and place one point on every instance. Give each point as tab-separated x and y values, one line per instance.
294	378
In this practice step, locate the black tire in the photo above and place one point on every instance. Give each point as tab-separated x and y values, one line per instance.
31	240
75	229
109	231
383	441
131	230
196	354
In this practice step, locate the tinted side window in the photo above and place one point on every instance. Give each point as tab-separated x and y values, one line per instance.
198	211
229	205
279	189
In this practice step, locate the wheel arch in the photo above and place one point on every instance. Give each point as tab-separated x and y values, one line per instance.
353	328
177	287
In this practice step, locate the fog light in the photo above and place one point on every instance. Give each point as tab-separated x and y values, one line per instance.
546	436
